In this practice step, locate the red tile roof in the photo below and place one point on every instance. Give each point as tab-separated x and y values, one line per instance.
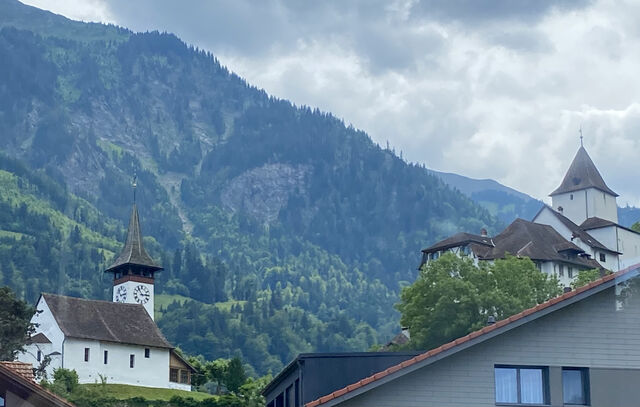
23	369
464	339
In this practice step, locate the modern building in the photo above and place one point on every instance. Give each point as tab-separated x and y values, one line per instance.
583	230
312	375
118	341
577	349
18	389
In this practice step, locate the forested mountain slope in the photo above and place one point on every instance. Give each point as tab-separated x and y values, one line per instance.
298	228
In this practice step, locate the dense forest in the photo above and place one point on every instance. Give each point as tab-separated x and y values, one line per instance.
281	229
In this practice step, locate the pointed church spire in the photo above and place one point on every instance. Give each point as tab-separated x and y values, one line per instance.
133	254
582	174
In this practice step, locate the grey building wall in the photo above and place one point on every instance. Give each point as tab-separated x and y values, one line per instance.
596	333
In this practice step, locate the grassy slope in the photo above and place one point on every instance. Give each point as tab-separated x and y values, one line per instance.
123	392
13	193
163	301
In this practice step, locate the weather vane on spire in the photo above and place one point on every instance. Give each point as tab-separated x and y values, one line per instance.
134	185
581	137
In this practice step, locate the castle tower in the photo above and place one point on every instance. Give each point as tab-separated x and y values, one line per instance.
133	270
583	193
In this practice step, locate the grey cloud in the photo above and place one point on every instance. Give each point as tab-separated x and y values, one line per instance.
475	11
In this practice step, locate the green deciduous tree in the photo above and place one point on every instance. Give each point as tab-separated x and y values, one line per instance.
15	324
585	277
453	297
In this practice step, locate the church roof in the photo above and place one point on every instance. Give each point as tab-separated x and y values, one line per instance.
538	242
133	252
582	174
105	321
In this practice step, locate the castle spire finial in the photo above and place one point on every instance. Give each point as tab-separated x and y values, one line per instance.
581	137
134	185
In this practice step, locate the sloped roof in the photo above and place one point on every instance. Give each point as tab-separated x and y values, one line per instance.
582	174
35	394
538	242
133	251
39	338
23	369
105	321
577	231
596	223
482	334
457	240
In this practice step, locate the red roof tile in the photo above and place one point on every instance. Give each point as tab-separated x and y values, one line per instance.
464	339
23	369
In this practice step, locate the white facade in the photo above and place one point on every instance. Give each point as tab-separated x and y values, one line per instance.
587	203
135	292
150	372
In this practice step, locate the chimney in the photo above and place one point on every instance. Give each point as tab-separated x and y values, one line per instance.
491	320
483	232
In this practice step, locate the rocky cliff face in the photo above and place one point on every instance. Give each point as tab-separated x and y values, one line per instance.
262	192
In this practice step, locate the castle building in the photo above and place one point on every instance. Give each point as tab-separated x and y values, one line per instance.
118	341
580	231
585	211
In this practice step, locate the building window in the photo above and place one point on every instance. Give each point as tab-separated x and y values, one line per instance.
522	385
132	361
39	356
184	376
2	400
575	386
561	272
106	356
603	257
571	197
173	375
146	353
570	272
297	391
86	354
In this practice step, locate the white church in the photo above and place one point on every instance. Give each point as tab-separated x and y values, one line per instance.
579	231
117	342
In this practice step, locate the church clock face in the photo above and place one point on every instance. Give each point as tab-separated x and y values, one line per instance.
141	294
121	294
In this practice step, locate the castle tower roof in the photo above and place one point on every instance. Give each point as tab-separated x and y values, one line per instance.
582	174
133	253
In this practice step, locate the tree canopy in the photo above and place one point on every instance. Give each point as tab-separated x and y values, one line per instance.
15	324
453	297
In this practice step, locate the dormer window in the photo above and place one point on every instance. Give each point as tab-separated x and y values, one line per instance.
571	197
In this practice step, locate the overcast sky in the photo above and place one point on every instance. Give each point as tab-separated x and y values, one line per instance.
487	89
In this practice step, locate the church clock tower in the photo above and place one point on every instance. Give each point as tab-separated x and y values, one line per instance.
133	270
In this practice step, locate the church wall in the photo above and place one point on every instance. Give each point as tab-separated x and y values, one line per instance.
629	246
573	205
150	372
601	205
47	325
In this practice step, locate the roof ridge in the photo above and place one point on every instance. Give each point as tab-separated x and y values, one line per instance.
469	336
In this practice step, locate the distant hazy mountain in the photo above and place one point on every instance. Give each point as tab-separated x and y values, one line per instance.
508	204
